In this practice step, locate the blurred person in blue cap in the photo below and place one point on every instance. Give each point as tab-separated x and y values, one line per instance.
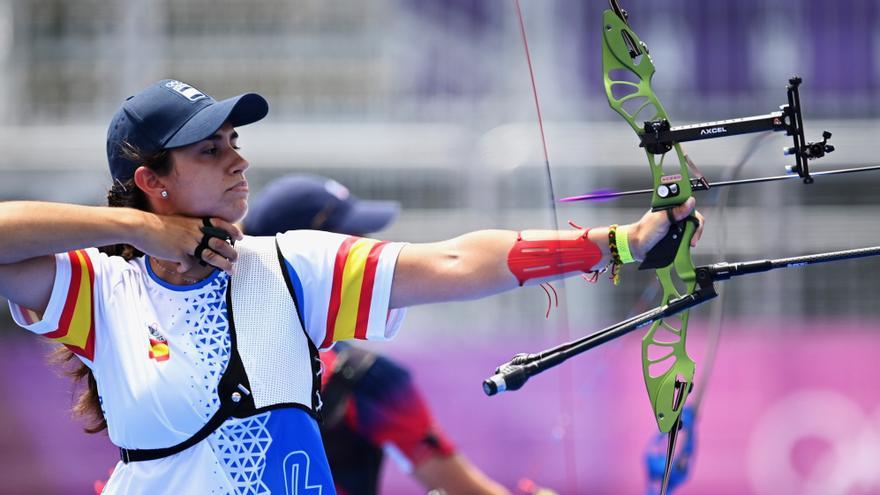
370	401
199	346
296	202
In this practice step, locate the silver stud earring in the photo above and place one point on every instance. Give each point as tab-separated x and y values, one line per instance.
164	194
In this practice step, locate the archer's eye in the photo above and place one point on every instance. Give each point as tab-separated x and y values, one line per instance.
210	151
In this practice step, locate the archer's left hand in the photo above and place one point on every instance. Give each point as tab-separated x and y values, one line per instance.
654	225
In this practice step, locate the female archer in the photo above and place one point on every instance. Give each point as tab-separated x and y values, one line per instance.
200	345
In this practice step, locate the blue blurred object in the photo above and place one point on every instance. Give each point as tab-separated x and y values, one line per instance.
655	455
303	201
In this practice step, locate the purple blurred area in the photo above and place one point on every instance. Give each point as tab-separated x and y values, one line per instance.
43	449
786	413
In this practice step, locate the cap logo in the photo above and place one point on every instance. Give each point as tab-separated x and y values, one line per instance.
185	90
336	189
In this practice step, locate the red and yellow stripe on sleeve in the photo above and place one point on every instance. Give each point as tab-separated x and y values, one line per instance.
351	296
76	328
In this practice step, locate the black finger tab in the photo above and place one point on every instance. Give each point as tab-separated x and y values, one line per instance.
209	231
203	244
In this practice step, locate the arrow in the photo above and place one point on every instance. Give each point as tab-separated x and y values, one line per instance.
702	185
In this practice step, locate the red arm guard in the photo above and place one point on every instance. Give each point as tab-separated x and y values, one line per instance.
547	257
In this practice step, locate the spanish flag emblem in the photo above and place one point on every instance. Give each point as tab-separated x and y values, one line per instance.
158	345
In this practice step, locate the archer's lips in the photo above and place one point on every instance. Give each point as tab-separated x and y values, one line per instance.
240	187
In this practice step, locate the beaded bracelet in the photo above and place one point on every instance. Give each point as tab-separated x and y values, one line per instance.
616	262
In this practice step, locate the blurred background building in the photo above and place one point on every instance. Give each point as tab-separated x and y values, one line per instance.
429	103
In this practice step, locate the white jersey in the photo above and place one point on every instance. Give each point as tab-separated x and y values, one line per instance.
157	352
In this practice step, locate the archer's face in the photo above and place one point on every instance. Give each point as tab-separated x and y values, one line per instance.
207	178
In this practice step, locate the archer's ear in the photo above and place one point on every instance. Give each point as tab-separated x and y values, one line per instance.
148	182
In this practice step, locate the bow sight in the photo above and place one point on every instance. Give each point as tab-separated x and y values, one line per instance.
659	136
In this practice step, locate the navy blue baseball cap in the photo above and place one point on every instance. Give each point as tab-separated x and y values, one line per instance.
170	114
318	203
